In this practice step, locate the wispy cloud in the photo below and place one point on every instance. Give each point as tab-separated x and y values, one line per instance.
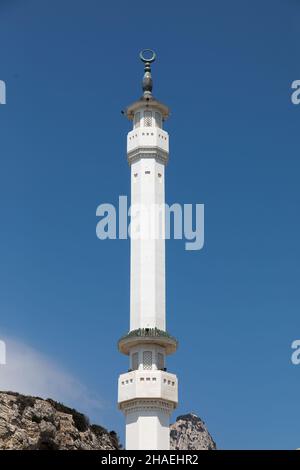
29	372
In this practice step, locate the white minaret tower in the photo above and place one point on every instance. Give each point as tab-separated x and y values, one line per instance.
147	393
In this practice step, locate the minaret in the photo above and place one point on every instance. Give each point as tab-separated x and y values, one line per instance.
147	393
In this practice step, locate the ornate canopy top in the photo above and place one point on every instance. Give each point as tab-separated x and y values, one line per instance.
147	56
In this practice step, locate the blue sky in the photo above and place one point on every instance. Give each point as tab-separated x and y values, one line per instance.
225	69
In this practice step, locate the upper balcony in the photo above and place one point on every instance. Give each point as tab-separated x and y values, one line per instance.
151	137
147	336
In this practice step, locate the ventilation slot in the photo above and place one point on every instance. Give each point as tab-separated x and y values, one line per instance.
135	361
158	120
137	119
160	361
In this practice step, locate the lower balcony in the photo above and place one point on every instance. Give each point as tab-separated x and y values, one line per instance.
140	384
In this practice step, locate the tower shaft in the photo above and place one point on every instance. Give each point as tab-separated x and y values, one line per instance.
147	289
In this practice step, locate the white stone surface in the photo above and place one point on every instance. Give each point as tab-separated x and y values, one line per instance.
148	137
147	281
147	429
148	384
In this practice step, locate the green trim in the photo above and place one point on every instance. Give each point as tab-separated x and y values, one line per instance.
148	332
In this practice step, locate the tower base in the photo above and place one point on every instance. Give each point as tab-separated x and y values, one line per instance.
147	424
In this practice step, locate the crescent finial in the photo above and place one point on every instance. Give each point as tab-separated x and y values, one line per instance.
147	55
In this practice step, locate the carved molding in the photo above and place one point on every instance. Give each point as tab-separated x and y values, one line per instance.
148	152
140	405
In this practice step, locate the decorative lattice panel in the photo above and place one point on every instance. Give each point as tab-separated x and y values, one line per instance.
147	360
148	118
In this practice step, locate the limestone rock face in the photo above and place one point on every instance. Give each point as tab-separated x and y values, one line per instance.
189	432
29	423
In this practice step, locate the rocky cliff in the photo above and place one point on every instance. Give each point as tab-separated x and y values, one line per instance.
189	432
29	423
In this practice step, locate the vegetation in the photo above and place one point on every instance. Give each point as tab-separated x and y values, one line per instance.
81	422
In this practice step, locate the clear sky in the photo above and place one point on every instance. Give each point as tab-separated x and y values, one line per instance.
225	68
